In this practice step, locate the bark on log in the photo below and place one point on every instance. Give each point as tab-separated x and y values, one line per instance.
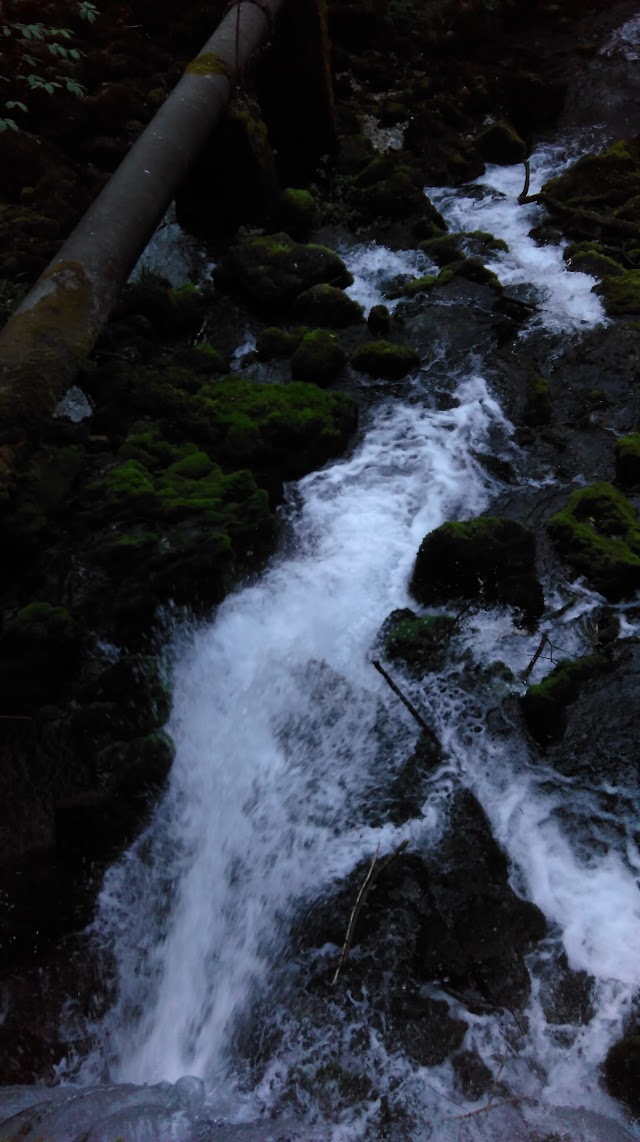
49	336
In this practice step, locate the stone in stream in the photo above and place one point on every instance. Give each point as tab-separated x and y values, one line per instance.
489	558
270	271
598	534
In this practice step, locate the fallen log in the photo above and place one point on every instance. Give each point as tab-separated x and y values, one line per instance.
49	336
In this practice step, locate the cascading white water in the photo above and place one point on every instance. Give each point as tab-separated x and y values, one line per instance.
491	204
275	710
277	716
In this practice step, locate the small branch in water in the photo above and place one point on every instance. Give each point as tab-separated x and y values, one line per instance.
491	1106
541	645
527	179
373	872
410	707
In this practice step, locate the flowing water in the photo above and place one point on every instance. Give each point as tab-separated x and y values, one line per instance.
284	731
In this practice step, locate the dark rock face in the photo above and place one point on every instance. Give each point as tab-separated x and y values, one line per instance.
419	642
488	557
449	916
621	1071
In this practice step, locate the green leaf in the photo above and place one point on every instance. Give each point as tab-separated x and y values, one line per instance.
8	123
15	103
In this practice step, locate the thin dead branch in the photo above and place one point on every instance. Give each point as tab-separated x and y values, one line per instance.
373	872
541	645
410	707
523	196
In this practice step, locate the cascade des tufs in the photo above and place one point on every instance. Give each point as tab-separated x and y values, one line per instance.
285	735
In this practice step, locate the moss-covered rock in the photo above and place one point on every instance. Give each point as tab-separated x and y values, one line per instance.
621	1071
384	359
591	258
379	320
297	212
598	535
389	187
319	358
443	250
39	650
420	642
274	342
501	143
628	460
620	293
270	271
327	306
490	558
538	407
544	704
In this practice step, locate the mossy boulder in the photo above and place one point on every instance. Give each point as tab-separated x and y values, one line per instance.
379	320
389	187
39	651
420	642
598	535
171	311
538	407
319	358
621	1071
593	259
620	293
274	342
501	143
270	271
384	359
443	250
297	212
327	306
292	428
628	460
490	558
544	704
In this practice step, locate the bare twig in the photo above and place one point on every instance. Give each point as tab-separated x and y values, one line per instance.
527	179
410	707
541	645
491	1106
373	872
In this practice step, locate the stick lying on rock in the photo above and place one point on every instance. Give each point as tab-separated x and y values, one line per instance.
373	872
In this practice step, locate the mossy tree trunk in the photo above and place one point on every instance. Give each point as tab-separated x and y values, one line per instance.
50	334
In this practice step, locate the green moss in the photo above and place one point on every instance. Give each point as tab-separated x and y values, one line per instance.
40	623
443	250
319	358
539	405
628	460
384	359
424	284
590	258
298	211
544	704
207	63
501	143
621	294
271	270
599	537
290	427
488	557
274	342
327	306
489	241
420	642
130	488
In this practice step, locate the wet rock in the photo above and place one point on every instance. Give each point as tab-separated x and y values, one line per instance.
473	1076
598	535
501	143
424	1029
566	996
273	342
488	557
297	212
628	460
327	306
379	320
384	359
538	408
39	651
271	271
621	1071
319	358
420	642
620	292
544	704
